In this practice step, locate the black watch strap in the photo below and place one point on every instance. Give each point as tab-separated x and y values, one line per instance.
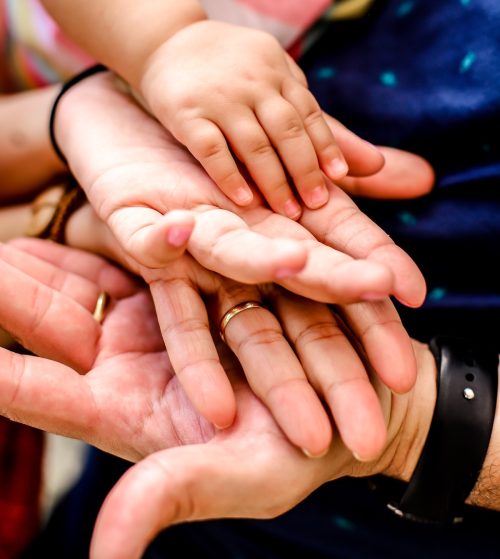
459	435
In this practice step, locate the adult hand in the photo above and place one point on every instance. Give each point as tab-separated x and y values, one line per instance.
124	164
129	401
250	470
295	357
134	175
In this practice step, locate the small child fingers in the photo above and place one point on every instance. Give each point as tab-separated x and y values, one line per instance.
208	145
285	129
252	146
329	154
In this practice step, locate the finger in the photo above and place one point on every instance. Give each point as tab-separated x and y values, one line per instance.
251	145
222	241
296	70
208	145
286	131
334	369
45	321
184	324
274	373
81	290
151	238
362	157
45	395
199	482
329	155
169	487
385	342
94	268
404	175
351	232
332	277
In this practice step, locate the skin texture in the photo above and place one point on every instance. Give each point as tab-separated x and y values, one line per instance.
27	160
131	403
263	118
132	182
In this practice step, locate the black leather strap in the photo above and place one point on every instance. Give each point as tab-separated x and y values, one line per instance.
459	435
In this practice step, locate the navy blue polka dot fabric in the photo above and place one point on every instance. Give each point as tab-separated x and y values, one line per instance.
424	75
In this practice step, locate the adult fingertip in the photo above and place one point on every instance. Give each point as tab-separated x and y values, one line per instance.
414	295
370	448
315	454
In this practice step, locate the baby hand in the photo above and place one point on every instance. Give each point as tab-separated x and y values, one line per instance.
232	94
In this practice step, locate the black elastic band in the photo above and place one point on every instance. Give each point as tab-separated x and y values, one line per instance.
68	85
459	435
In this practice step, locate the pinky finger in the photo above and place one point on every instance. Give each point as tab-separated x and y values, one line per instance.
208	145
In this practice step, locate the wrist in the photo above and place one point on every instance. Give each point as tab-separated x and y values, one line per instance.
411	417
148	49
454	459
486	491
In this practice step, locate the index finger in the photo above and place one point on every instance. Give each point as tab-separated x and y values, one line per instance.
340	224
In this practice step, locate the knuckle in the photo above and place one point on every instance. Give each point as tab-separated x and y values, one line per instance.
260	340
207	146
229	176
318	332
313	116
40	307
15	365
260	148
185	326
292	129
183	99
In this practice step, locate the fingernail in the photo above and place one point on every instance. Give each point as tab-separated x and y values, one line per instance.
319	197
359	458
373	296
292	209
337	168
244	195
314	456
178	235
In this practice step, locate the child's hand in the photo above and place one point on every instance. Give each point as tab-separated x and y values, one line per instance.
233	94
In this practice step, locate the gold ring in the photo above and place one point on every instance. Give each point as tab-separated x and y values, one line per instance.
233	311
101	306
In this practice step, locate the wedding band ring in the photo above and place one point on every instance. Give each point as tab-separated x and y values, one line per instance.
233	311
101	306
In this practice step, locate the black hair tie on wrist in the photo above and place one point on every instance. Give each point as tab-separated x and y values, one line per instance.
68	85
459	434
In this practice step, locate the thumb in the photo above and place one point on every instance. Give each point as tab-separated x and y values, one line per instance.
45	395
169	487
404	175
253	478
149	237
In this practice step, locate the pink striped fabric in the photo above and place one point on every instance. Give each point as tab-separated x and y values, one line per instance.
36	52
287	20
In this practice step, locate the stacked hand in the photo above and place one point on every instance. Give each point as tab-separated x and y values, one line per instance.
137	177
130	403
